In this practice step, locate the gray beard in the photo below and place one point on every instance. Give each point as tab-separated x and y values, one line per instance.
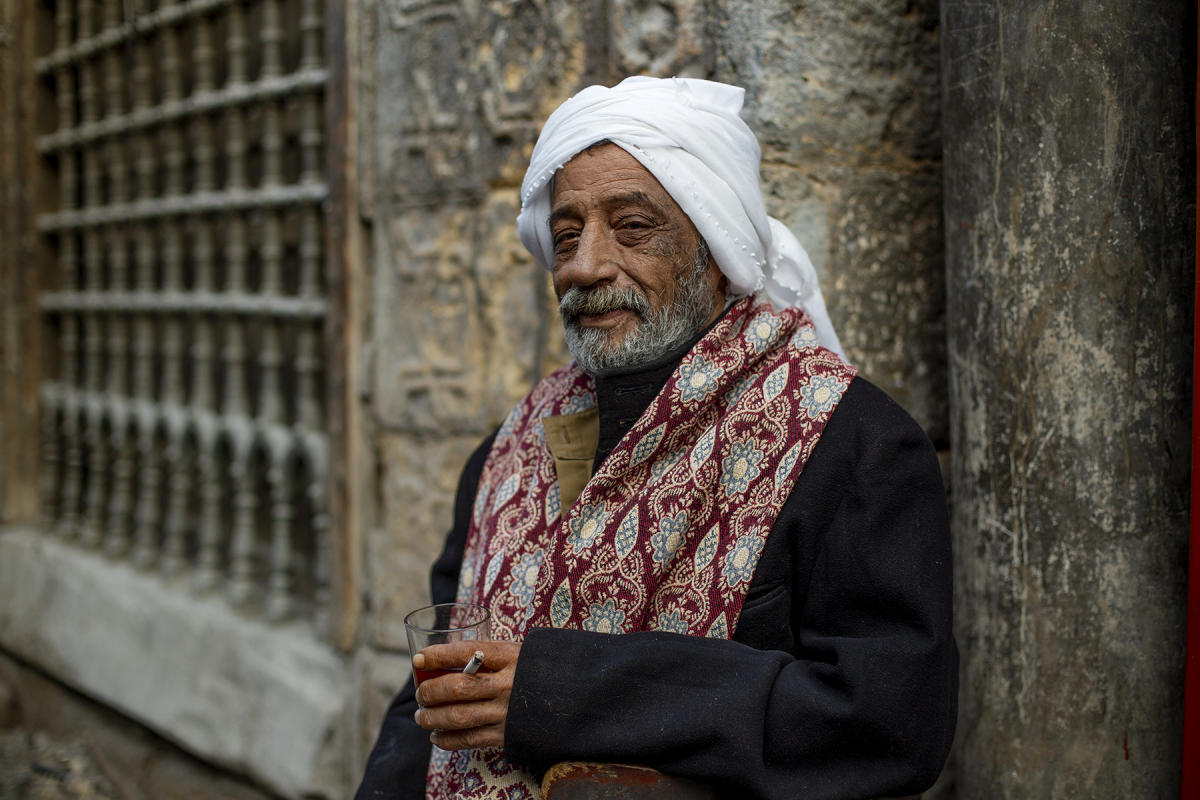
658	333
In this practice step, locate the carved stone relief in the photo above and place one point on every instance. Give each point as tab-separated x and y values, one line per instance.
461	90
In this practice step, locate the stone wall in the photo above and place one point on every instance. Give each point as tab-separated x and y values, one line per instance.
1069	219
56	743
267	702
844	97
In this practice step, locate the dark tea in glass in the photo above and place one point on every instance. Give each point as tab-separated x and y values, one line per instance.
442	623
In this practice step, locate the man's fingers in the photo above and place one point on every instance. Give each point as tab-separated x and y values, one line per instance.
466	710
462	716
455	687
455	655
485	736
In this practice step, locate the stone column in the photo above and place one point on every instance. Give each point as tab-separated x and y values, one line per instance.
1069	200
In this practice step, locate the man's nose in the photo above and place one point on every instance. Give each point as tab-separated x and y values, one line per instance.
595	260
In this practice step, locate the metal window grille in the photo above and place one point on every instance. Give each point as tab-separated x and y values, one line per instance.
183	427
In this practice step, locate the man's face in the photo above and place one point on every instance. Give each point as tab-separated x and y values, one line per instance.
631	272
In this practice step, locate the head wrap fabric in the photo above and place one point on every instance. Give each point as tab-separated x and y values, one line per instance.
687	133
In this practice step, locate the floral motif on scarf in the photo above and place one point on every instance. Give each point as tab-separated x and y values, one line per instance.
667	533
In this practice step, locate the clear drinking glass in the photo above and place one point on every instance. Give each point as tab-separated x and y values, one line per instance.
441	623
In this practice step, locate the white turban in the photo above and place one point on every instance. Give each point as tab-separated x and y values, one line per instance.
688	134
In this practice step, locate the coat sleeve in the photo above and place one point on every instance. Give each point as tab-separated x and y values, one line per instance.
399	760
858	701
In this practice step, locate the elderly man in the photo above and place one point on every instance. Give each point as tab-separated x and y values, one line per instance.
706	545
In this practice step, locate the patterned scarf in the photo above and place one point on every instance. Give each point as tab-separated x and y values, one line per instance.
667	533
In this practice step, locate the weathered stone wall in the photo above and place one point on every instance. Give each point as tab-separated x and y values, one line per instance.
844	96
77	748
268	702
1069	206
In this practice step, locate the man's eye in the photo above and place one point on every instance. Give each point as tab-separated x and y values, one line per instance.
564	239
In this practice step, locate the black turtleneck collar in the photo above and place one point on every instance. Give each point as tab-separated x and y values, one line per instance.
624	393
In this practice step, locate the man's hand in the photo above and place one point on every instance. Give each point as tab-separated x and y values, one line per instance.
465	711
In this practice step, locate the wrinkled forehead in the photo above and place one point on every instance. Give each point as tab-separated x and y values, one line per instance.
606	170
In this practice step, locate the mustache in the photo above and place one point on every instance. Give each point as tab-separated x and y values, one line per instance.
600	300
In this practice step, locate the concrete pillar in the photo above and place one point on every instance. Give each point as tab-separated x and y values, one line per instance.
1069	200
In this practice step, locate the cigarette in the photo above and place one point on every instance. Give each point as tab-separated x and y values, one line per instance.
474	664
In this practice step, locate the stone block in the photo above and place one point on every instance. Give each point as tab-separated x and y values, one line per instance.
525	340
466	89
845	82
803	200
268	702
426	322
460	309
875	238
663	38
887	279
844	98
417	490
65	729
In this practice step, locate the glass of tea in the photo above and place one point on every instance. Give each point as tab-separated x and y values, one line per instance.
441	623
